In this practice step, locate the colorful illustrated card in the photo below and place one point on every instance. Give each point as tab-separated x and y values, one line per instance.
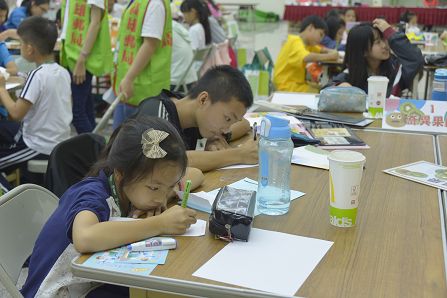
415	115
422	172
137	269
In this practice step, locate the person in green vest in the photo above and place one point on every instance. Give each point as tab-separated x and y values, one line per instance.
144	54
86	51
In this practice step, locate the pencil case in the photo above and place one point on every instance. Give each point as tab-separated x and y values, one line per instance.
342	99
232	214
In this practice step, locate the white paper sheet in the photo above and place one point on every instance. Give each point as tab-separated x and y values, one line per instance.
240	166
270	261
311	156
195	230
296	99
11	85
253	118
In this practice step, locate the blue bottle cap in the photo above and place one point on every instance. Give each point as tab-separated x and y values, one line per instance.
273	127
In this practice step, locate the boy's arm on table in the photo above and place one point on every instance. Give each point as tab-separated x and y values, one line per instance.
317	57
142	58
195	175
9	33
16	109
239	129
247	153
90	235
96	15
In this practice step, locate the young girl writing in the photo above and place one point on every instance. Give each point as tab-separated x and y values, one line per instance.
143	162
196	16
368	54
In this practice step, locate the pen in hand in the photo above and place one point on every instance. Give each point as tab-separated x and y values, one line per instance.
186	193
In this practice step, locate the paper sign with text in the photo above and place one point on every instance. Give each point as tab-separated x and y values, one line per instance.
415	115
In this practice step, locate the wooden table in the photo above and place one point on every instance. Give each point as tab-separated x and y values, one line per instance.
396	250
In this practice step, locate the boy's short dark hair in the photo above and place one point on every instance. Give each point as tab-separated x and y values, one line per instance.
40	33
223	83
315	21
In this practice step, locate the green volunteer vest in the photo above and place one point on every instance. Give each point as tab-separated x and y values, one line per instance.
156	75
100	59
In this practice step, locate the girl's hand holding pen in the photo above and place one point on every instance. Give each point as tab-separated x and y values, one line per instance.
176	220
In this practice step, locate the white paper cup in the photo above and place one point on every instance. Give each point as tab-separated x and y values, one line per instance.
377	86
345	175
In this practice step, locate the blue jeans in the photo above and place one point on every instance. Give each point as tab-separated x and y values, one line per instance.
83	109
121	113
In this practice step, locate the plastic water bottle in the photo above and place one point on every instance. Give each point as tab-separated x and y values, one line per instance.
275	155
440	85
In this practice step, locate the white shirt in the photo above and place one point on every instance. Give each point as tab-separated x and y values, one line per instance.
197	35
182	55
97	3
47	123
154	20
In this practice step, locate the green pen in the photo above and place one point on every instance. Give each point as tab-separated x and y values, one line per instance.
186	193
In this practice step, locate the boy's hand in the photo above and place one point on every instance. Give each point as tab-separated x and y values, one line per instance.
126	88
216	143
79	71
176	220
2	82
381	24
249	152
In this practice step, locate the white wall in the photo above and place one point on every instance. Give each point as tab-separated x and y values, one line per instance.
276	6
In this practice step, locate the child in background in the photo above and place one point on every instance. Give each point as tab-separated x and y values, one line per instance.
290	69
213	109
218	34
143	64
44	103
6	60
28	8
4	12
196	16
142	164
349	15
368	53
86	52
411	21
336	28
214	9
182	56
